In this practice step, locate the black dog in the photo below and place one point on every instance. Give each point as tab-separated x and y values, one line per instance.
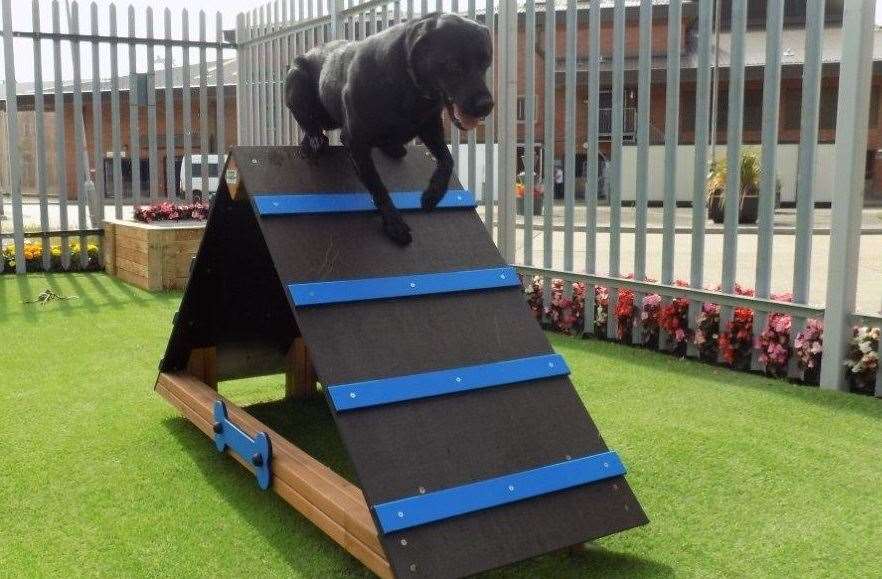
389	88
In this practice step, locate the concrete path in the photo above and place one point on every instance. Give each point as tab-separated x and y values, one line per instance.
869	296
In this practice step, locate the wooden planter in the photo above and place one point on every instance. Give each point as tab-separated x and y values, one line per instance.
152	256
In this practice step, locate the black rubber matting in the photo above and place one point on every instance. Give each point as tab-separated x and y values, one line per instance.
430	444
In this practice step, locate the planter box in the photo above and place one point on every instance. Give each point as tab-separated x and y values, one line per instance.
537	205
152	256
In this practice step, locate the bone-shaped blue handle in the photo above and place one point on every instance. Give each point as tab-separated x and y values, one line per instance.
256	451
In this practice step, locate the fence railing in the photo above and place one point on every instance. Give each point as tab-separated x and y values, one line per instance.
101	125
604	47
595	32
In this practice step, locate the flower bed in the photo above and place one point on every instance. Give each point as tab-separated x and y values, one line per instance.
170	212
33	254
732	346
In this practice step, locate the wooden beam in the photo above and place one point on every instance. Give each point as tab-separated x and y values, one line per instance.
300	378
331	502
203	365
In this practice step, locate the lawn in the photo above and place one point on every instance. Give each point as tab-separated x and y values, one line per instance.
740	476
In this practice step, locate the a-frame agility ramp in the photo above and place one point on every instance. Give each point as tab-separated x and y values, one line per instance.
471	446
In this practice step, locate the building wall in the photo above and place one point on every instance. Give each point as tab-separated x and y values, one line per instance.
27	130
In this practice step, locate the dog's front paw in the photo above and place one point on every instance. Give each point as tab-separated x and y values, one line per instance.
397	230
314	145
431	197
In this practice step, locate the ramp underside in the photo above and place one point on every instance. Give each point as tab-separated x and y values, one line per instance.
403	449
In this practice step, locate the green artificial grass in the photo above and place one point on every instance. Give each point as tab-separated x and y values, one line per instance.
740	475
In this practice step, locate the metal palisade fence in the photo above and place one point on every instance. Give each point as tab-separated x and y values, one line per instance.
103	126
601	50
616	107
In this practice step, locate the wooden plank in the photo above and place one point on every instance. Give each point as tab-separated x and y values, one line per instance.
204	396
134	232
132	267
203	365
133	255
124	241
336	497
132	278
340	533
300	377
110	248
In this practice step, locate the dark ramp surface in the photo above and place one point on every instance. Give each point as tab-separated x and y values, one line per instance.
403	449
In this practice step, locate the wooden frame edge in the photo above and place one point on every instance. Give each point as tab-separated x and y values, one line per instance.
329	501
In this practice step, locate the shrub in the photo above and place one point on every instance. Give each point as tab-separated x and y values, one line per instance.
863	359
808	345
166	211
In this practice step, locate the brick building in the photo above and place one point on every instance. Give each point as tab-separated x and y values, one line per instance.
793	52
27	127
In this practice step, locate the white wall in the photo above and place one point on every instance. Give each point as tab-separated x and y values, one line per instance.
788	156
787	167
462	170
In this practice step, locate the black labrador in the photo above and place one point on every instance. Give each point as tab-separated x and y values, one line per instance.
389	88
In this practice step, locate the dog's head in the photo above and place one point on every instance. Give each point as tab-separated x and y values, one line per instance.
449	56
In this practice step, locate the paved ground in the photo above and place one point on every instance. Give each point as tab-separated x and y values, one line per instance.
870	266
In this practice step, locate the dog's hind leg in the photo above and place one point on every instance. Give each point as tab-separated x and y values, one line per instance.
302	98
394	225
432	134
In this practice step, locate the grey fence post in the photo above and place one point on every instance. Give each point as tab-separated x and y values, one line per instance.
12	135
507	34
845	227
336	19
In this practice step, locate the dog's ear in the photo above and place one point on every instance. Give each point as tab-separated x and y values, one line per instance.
416	39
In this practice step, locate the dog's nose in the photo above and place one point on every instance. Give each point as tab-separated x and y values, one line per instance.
482	105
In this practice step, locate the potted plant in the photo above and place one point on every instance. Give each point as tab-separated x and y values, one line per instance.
748	200
520	191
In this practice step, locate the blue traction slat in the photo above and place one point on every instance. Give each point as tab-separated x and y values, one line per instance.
294	204
401	388
378	288
452	502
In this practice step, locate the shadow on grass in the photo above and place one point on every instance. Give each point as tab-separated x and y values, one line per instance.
265	512
624	356
309	425
593	561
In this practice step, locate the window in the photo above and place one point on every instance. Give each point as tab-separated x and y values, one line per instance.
753	109
522	109
827	108
196	170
